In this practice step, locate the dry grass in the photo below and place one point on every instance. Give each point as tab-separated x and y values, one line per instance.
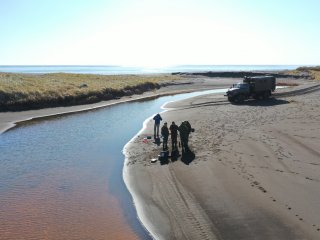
313	72
35	91
287	84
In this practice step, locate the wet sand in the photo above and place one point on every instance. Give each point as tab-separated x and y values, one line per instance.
255	174
68	202
21	218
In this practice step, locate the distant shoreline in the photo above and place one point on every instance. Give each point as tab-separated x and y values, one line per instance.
185	82
120	70
20	92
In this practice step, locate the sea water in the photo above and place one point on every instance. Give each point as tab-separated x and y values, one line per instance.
112	70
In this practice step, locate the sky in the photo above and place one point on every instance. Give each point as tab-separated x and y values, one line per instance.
159	32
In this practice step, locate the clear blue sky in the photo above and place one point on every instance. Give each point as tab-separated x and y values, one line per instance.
159	32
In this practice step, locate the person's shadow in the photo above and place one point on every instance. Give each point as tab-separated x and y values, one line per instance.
164	161
187	156
175	155
157	141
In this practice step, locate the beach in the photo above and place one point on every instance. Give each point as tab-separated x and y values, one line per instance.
254	164
82	85
254	176
61	172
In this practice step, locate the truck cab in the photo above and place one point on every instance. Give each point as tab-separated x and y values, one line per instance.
238	89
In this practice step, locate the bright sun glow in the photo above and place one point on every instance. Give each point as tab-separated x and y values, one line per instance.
159	33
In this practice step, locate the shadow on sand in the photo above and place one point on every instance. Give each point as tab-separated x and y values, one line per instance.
251	102
157	141
175	154
187	157
263	103
174	157
164	161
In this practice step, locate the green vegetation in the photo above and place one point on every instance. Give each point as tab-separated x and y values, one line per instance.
32	91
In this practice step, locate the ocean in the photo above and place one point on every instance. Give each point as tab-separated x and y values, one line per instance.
117	70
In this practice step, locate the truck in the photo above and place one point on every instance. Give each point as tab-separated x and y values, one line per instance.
257	87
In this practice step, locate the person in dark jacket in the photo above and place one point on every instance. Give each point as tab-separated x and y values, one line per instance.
165	135
157	118
174	135
184	130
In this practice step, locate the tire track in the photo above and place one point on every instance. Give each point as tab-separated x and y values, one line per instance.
298	92
188	219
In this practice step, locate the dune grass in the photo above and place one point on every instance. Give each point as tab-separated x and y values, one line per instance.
313	72
29	91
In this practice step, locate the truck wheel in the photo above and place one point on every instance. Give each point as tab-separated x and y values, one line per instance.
266	95
230	99
260	96
239	99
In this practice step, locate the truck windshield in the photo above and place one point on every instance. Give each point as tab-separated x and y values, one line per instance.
240	85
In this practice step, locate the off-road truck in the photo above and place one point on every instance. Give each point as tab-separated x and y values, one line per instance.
259	87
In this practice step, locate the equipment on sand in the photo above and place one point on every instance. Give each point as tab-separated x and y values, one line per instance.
164	155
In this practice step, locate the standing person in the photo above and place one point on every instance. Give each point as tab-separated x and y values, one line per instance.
174	135
157	118
184	130
165	134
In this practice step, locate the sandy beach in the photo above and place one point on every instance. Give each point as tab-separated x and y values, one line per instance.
80	153
255	174
63	189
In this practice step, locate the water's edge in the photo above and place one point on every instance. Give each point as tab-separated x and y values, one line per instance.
180	94
146	224
127	194
11	125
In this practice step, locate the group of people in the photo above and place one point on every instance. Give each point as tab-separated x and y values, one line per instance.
184	130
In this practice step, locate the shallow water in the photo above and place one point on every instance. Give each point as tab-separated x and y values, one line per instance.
61	178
